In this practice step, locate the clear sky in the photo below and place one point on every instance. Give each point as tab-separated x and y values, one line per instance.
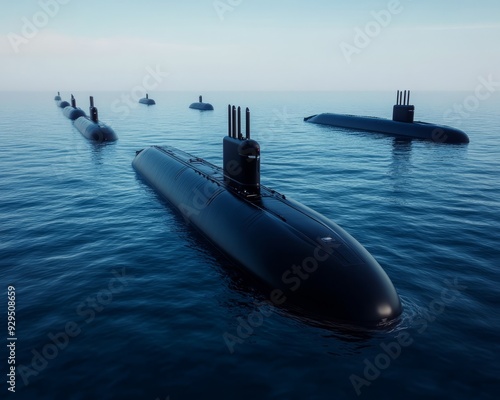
248	44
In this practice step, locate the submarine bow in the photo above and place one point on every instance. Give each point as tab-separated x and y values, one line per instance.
307	261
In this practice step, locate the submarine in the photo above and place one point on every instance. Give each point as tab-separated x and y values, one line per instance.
92	128
401	125
72	112
201	106
62	104
59	102
146	100
306	261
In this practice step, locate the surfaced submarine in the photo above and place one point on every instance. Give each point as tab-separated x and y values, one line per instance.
92	128
146	100
201	106
59	102
304	259
401	125
72	112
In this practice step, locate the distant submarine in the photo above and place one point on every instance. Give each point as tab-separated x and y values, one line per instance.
146	100
72	112
92	128
401	125
306	260
201	106
59	102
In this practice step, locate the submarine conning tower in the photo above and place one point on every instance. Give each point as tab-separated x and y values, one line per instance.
402	110
58	97
241	155
94	115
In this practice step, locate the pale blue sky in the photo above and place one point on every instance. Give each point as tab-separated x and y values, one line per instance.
249	44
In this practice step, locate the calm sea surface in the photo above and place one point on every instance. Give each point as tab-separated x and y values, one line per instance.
118	298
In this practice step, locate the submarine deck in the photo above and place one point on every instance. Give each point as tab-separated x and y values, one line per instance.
202	106
216	175
416	129
294	214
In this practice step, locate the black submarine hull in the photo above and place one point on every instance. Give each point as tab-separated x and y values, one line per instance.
96	131
73	112
148	102
418	130
202	106
304	258
62	103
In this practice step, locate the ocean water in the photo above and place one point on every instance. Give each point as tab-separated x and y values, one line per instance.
118	298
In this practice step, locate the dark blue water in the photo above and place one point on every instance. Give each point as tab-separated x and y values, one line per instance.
116	297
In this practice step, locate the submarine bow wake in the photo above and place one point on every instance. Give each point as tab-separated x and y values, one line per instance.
305	259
